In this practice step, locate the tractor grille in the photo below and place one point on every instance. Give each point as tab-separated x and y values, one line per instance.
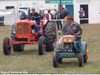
68	47
23	28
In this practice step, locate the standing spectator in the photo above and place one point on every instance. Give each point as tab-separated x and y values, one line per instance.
82	13
53	12
33	12
49	15
41	13
61	12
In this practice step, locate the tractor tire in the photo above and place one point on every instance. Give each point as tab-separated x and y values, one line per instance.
86	57
60	60
18	48
81	60
6	46
41	45
55	62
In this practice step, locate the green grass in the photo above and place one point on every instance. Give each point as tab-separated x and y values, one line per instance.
30	61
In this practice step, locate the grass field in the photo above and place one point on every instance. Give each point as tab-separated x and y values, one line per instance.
30	61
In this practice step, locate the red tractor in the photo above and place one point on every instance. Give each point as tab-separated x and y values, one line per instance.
21	35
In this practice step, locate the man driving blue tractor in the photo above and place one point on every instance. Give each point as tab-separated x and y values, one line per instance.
72	28
69	43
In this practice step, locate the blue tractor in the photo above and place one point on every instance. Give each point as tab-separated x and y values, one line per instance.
64	47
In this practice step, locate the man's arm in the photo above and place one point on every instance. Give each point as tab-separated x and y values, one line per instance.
78	31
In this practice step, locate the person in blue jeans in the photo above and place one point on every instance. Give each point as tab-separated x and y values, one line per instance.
36	17
73	28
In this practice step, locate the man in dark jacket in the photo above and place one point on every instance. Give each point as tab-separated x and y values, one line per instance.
61	14
72	28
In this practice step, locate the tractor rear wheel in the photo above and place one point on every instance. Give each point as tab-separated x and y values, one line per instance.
41	45
55	62
6	46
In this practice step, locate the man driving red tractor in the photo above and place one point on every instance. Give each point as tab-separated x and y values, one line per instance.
72	28
24	31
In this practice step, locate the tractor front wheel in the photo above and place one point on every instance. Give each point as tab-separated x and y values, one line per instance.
81	60
6	46
60	60
86	57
